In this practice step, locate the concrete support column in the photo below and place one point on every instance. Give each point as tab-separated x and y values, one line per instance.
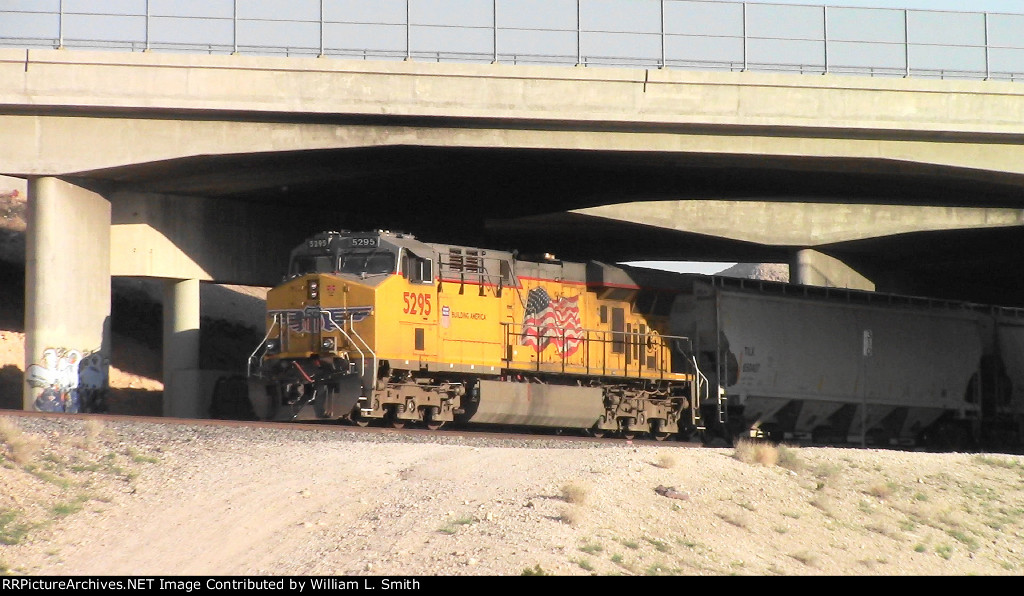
67	298
182	397
810	267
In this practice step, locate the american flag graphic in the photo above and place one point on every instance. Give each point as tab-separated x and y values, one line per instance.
548	321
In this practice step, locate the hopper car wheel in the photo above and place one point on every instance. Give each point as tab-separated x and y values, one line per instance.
597	433
357	418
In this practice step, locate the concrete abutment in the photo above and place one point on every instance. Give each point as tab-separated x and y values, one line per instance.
67	297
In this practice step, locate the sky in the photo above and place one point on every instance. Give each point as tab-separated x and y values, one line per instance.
1011	6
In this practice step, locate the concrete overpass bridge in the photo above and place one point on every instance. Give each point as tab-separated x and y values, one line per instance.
193	168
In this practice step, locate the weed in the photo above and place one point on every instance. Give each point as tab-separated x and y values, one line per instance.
1000	462
781	529
789	459
584	564
48	477
920	497
591	549
20	448
141	457
945	551
756	452
665	460
570	516
792	514
824	503
827	473
659	545
882	490
574	493
805	557
617	559
738	521
93	430
633	544
66	509
963	537
920	548
908	525
884	531
658	569
535	570
12	531
453	525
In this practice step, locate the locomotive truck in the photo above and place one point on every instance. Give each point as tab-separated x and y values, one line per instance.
381	327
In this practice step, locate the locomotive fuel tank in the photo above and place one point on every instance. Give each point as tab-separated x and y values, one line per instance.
801	362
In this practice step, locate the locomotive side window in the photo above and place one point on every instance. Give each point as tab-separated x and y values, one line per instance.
417	269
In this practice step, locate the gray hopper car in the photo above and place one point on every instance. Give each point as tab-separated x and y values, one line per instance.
793	362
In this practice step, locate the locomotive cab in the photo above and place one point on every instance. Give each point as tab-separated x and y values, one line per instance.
319	357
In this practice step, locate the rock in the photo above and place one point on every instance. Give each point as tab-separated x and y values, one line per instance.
671	492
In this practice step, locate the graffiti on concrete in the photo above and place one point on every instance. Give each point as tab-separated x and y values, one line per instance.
70	381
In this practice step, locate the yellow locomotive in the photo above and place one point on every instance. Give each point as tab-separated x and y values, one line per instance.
379	326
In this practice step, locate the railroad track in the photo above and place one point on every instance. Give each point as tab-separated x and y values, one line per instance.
450	432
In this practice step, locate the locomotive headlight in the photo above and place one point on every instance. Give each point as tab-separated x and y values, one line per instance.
327	344
272	346
313	289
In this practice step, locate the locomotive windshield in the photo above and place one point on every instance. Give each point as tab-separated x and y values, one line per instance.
370	262
357	262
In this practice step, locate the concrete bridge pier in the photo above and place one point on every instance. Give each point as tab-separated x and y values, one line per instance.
810	267
182	391
67	297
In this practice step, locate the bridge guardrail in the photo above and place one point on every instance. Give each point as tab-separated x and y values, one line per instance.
677	34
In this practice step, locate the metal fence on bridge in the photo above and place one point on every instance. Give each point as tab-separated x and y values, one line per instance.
683	34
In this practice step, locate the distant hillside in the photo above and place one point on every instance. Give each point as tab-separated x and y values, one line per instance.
765	271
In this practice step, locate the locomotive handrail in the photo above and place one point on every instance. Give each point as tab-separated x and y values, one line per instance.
629	339
263	343
362	356
698	392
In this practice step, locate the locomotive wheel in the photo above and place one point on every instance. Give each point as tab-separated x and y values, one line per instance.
626	429
428	419
394	420
657	433
597	433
